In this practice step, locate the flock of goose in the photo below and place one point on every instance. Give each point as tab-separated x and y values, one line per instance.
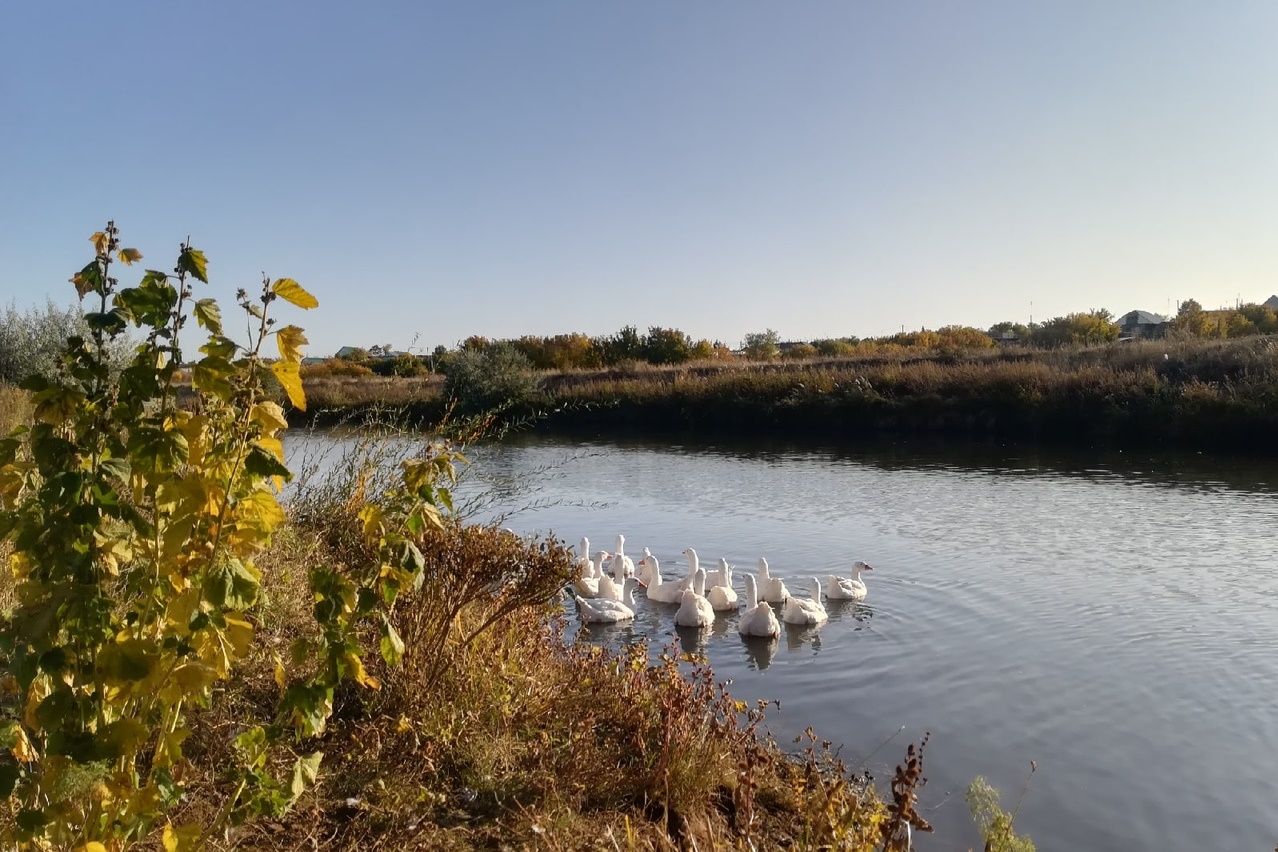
605	591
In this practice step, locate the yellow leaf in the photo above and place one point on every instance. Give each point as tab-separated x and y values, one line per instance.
100	242
362	677
91	846
22	750
286	373
293	293
281	679
239	633
271	416
290	339
130	256
371	515
185	838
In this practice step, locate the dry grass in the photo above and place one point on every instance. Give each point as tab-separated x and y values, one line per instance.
522	738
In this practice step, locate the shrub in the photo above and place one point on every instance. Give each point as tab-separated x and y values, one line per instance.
491	378
32	342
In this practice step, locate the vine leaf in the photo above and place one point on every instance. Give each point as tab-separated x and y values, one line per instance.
289	379
294	293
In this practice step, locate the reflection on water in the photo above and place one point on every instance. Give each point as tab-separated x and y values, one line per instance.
1109	615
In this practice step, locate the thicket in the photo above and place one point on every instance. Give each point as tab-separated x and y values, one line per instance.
33	341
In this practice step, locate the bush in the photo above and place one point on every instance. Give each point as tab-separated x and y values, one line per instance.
491	378
31	343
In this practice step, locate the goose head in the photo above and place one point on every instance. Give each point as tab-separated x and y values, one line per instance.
654	567
583	549
763	568
815	585
859	566
692	559
628	592
699	582
621	544
726	570
752	592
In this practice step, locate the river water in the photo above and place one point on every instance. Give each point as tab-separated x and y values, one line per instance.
1111	616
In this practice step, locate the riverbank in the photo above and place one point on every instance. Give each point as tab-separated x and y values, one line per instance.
1210	395
524	738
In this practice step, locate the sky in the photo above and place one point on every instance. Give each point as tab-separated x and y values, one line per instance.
435	170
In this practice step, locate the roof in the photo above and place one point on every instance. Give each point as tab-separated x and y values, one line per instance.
1271	302
1141	318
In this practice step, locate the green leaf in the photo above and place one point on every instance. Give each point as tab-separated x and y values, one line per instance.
392	646
293	293
263	462
88	280
123	662
232	585
208	315
193	262
305	771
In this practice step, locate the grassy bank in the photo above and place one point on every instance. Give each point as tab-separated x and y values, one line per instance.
1201	394
519	737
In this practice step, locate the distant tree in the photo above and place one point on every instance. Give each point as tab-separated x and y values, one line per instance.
1191	319
1262	316
357	353
473	343
840	348
800	352
702	350
762	345
1009	327
1096	326
666	346
1238	325
963	337
625	345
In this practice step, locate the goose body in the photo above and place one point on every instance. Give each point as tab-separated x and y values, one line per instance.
771	589
587	583
627	564
611	587
603	611
758	619
658	589
694	609
720	576
722	597
847	588
808	611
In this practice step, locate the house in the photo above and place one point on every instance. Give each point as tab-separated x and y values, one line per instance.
1271	303
1142	324
1006	338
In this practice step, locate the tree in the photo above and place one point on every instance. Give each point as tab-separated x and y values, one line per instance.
1191	319
800	352
666	346
762	345
625	345
1008	327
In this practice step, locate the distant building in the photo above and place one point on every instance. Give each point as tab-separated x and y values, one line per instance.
1142	324
347	352
1007	338
1272	303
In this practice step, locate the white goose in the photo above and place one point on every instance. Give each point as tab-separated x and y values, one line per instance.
587	585
583	558
758	619
771	589
601	611
627	563
611	588
722	597
803	610
658	589
717	576
694	609
847	589
643	568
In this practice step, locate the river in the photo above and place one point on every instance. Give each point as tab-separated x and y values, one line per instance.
1111	616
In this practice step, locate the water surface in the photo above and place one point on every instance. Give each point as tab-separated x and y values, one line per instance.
1110	616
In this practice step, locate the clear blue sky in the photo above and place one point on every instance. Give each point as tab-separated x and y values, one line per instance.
820	168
